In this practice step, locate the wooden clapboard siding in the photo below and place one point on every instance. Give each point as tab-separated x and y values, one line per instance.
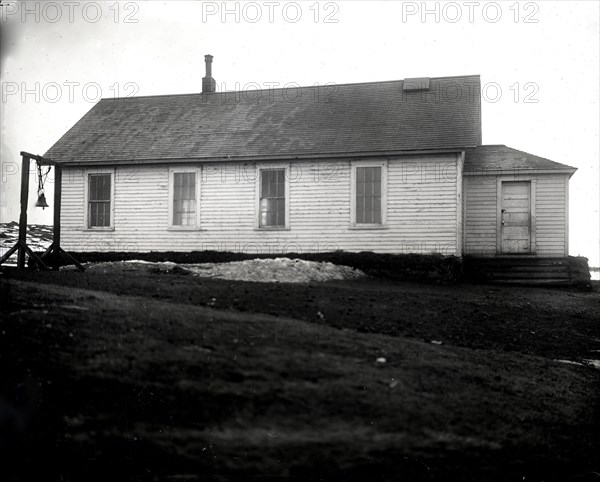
480	216
481	211
422	209
551	235
422	213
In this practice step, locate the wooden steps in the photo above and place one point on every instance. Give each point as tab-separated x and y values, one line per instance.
526	270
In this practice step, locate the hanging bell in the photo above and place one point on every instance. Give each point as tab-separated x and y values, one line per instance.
41	202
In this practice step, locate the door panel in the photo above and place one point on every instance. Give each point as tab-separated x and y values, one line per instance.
515	217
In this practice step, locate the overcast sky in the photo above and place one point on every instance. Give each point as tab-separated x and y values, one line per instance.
538	61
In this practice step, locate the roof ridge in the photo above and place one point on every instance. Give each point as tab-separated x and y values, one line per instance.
374	82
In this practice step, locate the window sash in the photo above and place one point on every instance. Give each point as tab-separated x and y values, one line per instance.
184	199
272	198
368	195
99	200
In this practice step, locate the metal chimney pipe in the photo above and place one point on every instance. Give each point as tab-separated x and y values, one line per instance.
208	83
208	61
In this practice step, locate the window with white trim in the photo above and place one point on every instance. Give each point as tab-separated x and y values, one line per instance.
272	198
369	184
99	209
184	198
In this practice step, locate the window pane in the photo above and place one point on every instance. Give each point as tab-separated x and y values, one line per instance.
106	191
272	212
92	187
177	218
280	213
277	187
93	214
99	187
263	212
100	215
377	217
377	188
360	174
264	184
377	203
360	210
280	180
280	175
360	188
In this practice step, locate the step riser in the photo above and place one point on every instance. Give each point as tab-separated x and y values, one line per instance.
496	275
530	271
549	282
518	269
524	265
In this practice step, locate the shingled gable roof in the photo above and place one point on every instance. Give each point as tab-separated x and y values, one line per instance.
333	120
492	158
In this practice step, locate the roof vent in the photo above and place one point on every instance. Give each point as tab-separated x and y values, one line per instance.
208	83
416	83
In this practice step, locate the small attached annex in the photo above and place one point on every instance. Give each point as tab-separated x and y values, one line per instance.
390	167
515	203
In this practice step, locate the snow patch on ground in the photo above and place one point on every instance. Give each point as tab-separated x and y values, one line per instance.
284	270
278	270
141	261
592	363
583	363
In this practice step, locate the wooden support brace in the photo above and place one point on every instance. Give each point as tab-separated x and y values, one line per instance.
9	253
48	251
23	216
36	259
71	258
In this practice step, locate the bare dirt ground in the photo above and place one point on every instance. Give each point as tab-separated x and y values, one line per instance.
139	373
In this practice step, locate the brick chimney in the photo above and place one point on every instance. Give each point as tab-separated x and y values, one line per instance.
208	83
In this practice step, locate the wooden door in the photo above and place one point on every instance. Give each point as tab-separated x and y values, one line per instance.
515	217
